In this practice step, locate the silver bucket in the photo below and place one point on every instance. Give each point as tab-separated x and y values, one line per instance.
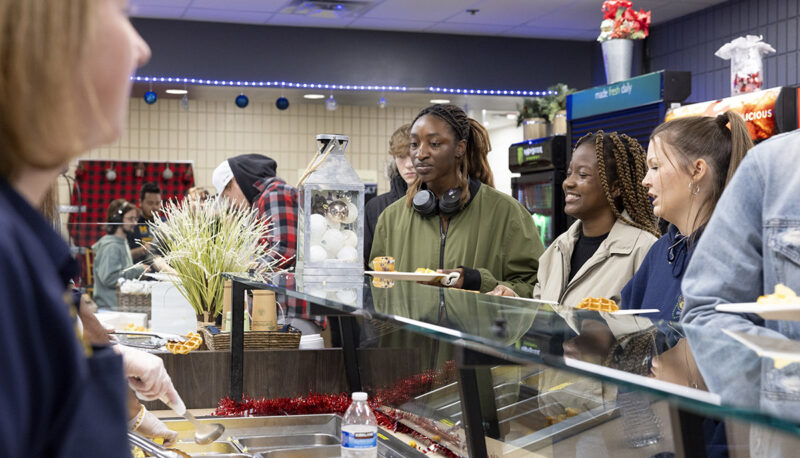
617	57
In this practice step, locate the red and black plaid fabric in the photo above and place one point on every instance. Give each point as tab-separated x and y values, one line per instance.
278	201
93	190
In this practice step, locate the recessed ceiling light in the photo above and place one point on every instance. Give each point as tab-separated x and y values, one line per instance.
313	96
440	100
177	91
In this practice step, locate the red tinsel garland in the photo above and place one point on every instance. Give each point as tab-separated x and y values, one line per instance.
316	403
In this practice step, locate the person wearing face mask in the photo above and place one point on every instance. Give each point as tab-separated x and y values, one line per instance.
690	161
452	218
401	174
601	251
65	71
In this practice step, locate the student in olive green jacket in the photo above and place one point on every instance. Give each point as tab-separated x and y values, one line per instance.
452	218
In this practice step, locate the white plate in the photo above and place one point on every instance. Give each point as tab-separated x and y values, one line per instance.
634	311
412	276
787	312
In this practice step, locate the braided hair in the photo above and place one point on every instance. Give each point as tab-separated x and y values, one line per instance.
476	160
621	160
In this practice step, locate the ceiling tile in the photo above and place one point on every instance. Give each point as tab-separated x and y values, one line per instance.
562	19
269	6
390	24
244	17
506	12
298	20
420	10
158	12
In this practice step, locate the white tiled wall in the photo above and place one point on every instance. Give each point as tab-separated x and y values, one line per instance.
211	131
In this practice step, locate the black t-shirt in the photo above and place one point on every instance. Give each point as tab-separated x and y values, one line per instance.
584	249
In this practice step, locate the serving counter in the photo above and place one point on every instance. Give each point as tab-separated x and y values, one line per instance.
518	377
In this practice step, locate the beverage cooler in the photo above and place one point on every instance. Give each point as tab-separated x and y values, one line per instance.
542	163
767	113
633	107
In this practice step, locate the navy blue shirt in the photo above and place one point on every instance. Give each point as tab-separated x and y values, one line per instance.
45	375
657	283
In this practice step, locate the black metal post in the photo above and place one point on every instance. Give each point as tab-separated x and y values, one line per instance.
471	413
349	346
237	341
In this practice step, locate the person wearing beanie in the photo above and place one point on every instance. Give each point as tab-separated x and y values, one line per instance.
251	180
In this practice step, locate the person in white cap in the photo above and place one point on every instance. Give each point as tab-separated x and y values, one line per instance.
250	179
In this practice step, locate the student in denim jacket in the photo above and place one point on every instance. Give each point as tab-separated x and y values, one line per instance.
751	243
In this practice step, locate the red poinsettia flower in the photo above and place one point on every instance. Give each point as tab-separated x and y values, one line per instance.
620	20
643	18
610	7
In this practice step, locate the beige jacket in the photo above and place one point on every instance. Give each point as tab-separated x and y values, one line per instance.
603	275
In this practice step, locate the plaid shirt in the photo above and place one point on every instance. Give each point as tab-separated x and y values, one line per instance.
278	203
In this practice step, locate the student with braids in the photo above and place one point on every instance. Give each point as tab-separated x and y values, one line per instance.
690	161
452	218
601	251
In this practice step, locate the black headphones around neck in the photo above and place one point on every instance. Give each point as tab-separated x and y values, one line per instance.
427	204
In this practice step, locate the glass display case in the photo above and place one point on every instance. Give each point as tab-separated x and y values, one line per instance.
476	375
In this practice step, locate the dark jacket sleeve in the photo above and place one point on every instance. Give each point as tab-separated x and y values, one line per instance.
371	213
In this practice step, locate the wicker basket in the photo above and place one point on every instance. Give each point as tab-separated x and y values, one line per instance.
134	302
254	340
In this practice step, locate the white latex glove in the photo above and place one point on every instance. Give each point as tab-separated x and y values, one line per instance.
146	375
154	428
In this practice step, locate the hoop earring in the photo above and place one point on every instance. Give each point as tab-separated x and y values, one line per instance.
696	189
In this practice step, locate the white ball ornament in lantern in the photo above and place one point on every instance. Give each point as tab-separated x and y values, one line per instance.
318	254
331	214
332	241
350	238
347	254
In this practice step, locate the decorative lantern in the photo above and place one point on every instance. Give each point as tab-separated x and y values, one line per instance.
330	228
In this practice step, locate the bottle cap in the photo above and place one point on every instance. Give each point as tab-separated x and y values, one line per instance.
359	396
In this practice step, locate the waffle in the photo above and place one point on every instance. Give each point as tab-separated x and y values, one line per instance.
782	295
181	348
383	264
598	304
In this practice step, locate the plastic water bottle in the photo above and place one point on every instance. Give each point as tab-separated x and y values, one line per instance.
359	430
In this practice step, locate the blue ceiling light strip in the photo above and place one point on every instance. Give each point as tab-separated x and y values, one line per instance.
340	87
281	84
445	90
